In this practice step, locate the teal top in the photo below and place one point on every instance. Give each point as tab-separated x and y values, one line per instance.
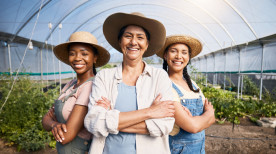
123	143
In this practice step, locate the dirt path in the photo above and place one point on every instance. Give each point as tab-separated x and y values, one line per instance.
247	138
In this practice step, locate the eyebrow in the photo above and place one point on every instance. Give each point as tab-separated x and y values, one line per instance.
133	34
82	49
181	50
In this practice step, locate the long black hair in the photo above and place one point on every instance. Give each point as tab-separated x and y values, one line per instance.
185	71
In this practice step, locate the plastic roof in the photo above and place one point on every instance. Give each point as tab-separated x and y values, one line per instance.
217	23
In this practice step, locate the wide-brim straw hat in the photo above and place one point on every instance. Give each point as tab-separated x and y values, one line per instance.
62	53
113	24
194	44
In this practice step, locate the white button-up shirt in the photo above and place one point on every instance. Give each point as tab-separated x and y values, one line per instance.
101	122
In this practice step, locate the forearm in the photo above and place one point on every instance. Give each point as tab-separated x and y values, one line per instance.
193	124
202	122
139	128
75	123
69	135
48	122
127	119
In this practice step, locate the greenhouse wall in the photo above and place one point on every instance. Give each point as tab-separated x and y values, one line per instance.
244	59
39	63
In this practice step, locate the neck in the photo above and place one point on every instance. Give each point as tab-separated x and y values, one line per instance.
81	78
175	76
131	72
133	67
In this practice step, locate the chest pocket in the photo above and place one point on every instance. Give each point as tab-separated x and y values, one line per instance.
194	105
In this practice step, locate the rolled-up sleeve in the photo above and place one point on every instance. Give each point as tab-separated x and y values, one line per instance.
163	126
99	121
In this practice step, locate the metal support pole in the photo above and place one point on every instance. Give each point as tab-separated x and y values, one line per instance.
59	64
239	76
224	71
214	77
47	63
41	66
230	80
261	84
53	56
9	53
206	73
241	84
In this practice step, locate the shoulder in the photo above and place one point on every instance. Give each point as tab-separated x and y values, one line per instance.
86	85
68	84
158	71
106	72
85	88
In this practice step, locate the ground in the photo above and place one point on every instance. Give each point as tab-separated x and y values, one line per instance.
246	138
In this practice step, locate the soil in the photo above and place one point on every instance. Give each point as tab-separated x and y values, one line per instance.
245	138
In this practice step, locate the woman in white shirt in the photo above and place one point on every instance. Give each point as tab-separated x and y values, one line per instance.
131	108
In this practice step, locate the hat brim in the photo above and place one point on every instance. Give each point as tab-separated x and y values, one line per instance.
194	44
115	22
62	53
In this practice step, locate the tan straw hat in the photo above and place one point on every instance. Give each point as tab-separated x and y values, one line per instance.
62	53
113	24
194	44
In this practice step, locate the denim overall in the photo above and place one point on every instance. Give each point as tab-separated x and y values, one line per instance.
77	145
185	142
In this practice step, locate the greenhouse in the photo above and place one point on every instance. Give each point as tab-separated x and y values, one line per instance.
238	37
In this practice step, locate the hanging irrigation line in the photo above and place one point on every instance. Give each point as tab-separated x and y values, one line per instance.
59	64
47	61
52	48
240	138
22	57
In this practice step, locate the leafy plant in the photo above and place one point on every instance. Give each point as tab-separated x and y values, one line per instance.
20	118
249	87
227	107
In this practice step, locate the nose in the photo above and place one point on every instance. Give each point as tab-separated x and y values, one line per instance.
133	41
78	57
178	55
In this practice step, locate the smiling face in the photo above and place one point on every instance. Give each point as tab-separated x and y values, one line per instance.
81	58
133	42
177	57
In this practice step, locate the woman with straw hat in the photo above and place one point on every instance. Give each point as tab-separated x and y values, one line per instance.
130	109
192	114
65	119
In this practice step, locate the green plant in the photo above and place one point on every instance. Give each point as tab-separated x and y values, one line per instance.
198	77
20	119
249	87
227	107
107	66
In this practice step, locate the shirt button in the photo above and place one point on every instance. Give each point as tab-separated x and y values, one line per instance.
85	142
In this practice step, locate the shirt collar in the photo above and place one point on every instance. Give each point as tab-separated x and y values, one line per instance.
119	70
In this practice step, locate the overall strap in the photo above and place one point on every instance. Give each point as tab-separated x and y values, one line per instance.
180	94
75	90
72	84
194	86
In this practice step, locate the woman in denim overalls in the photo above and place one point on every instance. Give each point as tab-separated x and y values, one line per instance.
66	118
193	113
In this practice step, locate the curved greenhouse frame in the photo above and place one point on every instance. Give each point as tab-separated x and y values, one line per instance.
238	36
